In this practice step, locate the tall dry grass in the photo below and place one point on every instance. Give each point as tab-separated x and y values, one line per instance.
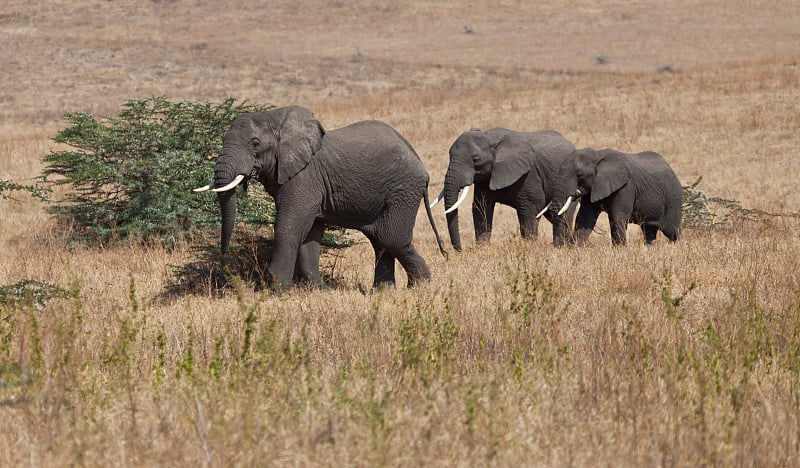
516	353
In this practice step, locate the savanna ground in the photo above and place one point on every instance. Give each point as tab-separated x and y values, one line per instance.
516	353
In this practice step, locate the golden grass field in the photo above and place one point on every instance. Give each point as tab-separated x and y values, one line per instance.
515	353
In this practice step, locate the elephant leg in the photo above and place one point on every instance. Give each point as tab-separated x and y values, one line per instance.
650	232
392	233
482	215
384	266
672	233
291	228
619	226
585	222
414	264
308	256
671	223
528	223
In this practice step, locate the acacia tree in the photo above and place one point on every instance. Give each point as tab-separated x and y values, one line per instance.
130	176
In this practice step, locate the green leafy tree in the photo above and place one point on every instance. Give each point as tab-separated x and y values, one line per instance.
131	175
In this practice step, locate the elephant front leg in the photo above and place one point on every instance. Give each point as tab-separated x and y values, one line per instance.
308	256
585	222
482	215
619	227
290	231
528	223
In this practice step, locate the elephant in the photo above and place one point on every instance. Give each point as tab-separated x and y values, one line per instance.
636	188
506	166
364	176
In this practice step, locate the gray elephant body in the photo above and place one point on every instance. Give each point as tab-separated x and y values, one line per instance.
365	176
636	188
508	167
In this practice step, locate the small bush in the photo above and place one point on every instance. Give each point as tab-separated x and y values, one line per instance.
131	175
702	211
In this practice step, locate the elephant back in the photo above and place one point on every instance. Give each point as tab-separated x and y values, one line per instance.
551	145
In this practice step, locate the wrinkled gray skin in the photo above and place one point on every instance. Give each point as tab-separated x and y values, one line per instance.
364	176
509	167
632	188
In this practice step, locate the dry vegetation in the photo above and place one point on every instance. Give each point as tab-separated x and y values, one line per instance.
516	353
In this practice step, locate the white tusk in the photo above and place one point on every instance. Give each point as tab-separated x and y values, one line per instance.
437	199
202	189
566	205
544	210
233	184
459	201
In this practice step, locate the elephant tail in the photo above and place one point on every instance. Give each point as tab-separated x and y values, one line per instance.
427	203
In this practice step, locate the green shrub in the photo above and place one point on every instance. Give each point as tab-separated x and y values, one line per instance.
131	175
702	211
33	291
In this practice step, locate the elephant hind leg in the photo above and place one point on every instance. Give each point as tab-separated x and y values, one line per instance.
412	262
671	226
384	266
650	232
415	266
672	233
392	234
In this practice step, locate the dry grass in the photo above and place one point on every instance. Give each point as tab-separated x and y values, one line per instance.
516	353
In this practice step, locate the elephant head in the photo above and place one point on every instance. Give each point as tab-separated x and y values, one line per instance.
589	172
494	156
275	145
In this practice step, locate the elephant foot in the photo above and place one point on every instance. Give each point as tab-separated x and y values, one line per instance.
383	285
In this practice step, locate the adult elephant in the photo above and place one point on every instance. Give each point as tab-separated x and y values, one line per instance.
364	176
636	188
509	167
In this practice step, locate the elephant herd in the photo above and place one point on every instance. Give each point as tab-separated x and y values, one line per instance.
366	176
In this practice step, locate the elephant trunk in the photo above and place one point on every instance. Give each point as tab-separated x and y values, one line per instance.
227	207
224	174
561	230
451	190
561	212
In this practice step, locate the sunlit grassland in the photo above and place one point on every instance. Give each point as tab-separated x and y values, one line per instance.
515	353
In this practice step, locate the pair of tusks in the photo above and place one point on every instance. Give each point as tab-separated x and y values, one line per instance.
236	181
560	212
460	200
465	191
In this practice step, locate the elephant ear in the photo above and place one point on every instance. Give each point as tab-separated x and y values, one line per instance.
612	174
300	136
513	158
